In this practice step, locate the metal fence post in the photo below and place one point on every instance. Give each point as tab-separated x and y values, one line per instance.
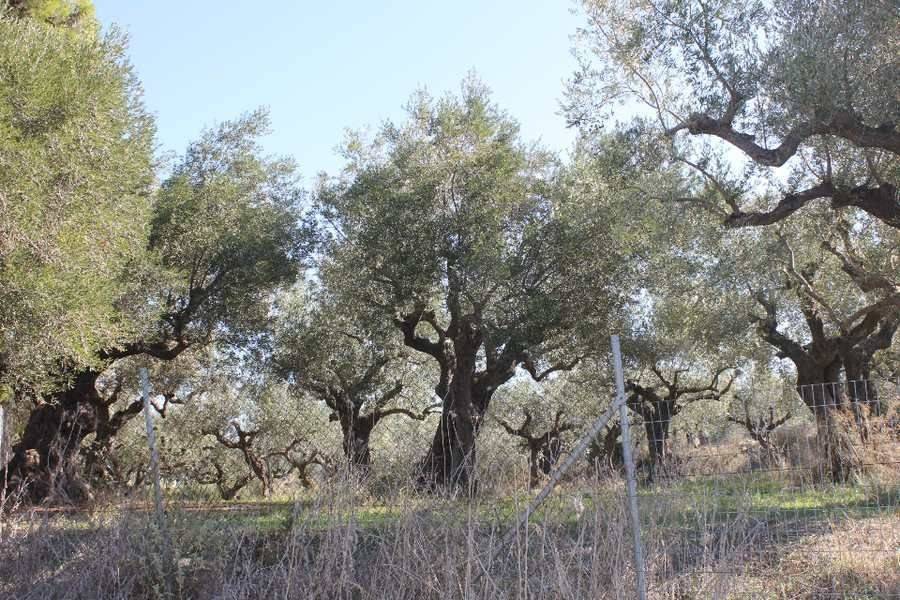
4	453
168	558
639	567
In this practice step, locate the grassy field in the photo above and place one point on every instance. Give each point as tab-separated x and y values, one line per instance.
737	537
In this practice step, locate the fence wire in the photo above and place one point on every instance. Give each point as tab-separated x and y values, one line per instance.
799	494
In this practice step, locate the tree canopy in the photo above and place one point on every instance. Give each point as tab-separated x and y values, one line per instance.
806	85
729	206
76	171
61	13
221	236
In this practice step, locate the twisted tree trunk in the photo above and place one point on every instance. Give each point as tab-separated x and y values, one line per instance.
450	461
657	425
606	449
356	435
826	400
44	462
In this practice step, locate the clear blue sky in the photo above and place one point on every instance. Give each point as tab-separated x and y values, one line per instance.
322	67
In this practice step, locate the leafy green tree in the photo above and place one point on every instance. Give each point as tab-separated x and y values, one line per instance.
75	176
830	317
687	329
801	106
223	236
114	455
479	249
687	342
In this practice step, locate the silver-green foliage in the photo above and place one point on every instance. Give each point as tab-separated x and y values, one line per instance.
75	180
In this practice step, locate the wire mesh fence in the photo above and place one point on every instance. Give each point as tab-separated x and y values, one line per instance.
803	498
791	493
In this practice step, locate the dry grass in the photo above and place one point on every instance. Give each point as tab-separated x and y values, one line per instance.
704	539
728	524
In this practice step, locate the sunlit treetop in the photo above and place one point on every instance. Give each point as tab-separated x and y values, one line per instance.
77	14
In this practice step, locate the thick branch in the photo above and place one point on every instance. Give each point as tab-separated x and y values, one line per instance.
523	431
853	265
712	390
760	426
122	416
169	398
767	328
430	410
407	325
881	202
245	438
536	375
160	350
843	124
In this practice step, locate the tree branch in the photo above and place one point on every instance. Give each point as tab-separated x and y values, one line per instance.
852	265
429	410
843	124
767	328
881	202
531	368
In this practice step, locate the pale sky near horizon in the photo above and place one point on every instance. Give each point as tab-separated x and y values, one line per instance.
324	67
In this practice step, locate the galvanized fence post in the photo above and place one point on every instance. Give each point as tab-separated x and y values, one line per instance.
4	453
631	483
168	559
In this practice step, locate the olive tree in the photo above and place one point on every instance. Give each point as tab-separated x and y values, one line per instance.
223	235
77	14
786	84
327	352
824	317
480	250
764	109
75	157
258	425
542	417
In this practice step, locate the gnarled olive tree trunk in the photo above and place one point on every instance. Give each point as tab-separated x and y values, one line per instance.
355	444
840	417
825	398
451	459
44	462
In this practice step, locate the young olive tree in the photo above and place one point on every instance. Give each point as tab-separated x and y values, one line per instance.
481	251
260	427
542	417
241	430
